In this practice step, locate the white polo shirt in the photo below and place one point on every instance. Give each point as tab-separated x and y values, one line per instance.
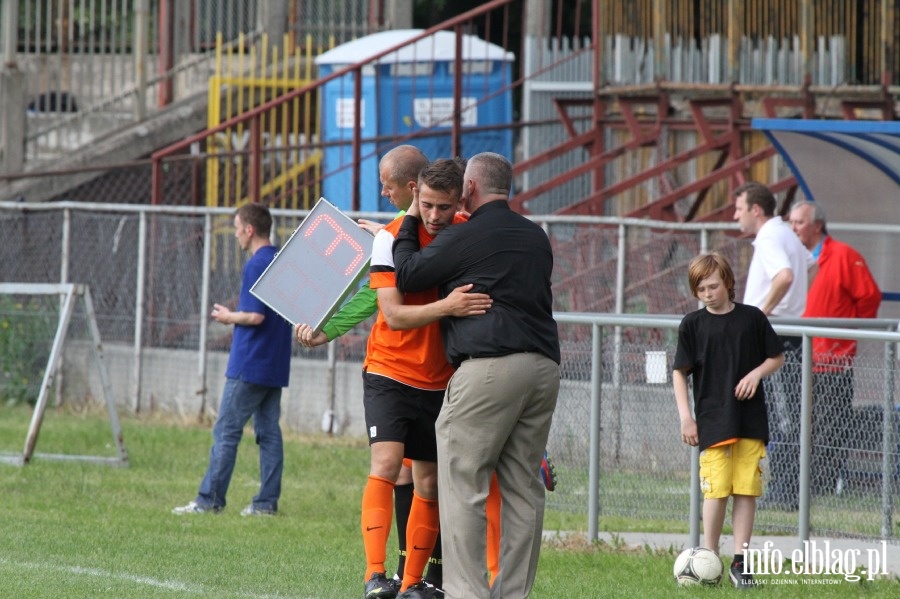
775	248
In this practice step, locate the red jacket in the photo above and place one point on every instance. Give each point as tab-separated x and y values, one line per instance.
843	288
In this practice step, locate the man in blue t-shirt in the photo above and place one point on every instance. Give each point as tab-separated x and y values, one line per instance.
258	368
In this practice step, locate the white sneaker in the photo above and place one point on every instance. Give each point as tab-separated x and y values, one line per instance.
193	508
252	510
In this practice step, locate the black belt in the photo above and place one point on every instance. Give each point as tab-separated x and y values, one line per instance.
462	359
470	357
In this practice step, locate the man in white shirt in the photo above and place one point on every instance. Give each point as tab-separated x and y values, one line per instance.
777	282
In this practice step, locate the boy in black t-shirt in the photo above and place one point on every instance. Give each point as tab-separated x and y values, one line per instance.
727	348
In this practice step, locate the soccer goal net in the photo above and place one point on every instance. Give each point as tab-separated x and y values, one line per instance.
41	326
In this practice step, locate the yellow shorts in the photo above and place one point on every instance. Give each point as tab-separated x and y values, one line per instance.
732	469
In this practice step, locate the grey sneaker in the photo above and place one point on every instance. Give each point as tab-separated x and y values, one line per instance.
740	580
193	508
252	510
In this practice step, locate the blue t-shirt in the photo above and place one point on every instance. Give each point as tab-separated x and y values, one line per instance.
260	354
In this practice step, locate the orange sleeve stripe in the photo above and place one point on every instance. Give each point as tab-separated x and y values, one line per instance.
382	279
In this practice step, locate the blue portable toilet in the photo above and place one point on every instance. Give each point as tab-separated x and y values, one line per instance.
410	92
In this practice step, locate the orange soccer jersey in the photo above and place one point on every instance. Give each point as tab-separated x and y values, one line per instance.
414	357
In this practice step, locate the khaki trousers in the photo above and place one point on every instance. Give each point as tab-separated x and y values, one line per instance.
496	416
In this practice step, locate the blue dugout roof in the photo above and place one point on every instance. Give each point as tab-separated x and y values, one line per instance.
807	145
851	167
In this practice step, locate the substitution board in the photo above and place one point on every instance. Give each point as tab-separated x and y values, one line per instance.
322	262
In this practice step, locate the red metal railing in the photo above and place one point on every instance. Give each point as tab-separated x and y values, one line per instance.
624	123
480	18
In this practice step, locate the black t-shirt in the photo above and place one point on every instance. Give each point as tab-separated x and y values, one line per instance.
718	350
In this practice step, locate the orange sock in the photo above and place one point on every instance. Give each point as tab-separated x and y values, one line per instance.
492	511
377	510
421	534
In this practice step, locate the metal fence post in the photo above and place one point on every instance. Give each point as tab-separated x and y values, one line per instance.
696	504
65	259
888	443
204	307
137	367
620	300
696	500
594	465
805	435
328	423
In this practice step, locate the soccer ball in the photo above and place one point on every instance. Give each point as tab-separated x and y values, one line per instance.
697	565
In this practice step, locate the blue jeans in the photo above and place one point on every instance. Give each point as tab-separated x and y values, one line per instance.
240	401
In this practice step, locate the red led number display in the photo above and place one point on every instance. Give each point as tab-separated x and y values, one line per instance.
331	252
317	268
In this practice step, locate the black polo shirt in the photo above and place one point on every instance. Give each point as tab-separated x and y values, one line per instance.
501	253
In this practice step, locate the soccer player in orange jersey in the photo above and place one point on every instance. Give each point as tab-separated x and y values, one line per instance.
405	374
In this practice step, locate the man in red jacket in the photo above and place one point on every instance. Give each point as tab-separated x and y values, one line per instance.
844	288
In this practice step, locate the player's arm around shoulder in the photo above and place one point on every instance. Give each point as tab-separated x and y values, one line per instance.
396	315
460	303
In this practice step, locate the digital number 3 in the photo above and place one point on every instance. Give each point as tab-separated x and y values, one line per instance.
341	236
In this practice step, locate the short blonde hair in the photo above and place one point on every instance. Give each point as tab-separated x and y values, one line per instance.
704	266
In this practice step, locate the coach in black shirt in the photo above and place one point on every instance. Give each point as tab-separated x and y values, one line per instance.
499	403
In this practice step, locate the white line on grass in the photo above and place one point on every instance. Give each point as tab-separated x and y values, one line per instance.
170	585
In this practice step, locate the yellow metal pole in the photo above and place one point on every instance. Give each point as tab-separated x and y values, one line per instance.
301	122
230	132
214	105
288	127
274	153
313	134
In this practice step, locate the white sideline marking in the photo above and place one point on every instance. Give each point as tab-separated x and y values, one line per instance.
195	589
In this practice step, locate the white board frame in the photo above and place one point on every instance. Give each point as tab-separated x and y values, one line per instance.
324	260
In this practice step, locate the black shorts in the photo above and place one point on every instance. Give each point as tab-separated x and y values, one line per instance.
398	412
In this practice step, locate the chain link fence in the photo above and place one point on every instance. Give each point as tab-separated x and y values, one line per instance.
154	273
645	469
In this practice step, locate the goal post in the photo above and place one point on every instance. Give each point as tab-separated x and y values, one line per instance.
69	294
